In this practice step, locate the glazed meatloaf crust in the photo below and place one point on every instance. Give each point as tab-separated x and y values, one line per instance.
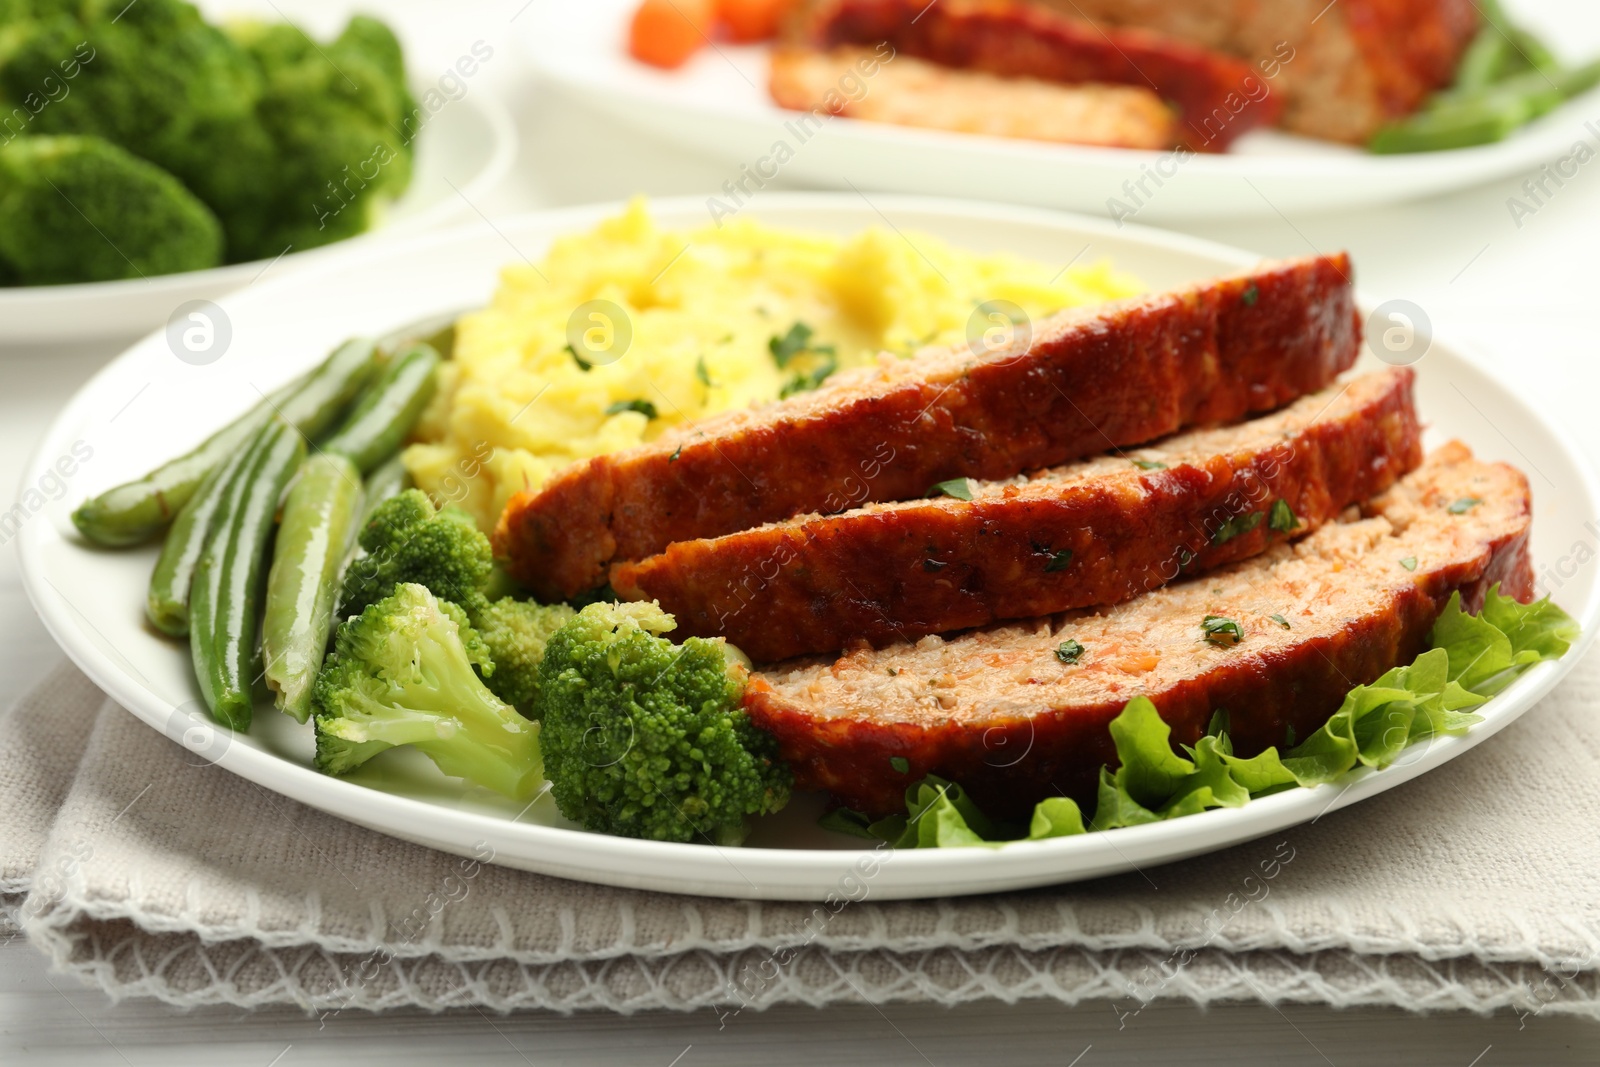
1083	381
1092	533
1342	69
1020	40
910	92
1014	717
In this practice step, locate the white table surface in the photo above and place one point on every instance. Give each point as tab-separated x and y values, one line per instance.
1525	297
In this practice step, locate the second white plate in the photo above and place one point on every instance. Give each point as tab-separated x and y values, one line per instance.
147	406
718	104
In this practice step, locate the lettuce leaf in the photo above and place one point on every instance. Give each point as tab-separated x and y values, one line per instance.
1471	658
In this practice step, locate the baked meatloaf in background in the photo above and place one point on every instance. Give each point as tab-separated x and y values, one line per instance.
1017	40
911	92
1356	64
1085	380
1019	712
1091	533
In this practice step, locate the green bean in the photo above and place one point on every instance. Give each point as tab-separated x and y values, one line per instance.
315	535
136	511
388	480
226	657
387	410
1455	126
167	601
1534	53
437	331
205	595
1485	60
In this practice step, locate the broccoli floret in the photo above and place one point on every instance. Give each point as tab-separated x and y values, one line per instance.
153	78
340	119
516	633
77	209
401	674
407	539
291	143
644	738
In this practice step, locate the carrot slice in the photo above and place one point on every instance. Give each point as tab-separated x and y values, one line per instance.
753	20
665	33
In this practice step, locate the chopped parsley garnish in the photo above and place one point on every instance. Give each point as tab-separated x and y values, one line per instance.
1068	651
804	383
583	364
1409	563
1149	465
934	564
1283	518
700	372
676	452
1280	620
1239	524
893	671
1221	631
960	488
643	407
1059	561
1464	505
900	764
794	343
1251	295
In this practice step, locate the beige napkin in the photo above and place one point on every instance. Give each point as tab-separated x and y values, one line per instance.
138	867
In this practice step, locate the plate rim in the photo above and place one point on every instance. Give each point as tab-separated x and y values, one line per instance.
958	871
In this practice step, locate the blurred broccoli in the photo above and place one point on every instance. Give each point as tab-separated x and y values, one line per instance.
291	143
517	633
401	673
340	120
644	738
77	209
407	539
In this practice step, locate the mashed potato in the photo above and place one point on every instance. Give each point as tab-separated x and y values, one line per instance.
623	332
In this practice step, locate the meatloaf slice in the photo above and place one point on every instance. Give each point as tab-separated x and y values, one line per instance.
1025	40
1083	381
1019	712
1342	69
1095	532
909	92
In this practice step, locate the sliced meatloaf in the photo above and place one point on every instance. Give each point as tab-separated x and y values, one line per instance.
1342	69
910	92
1019	712
1095	532
1022	40
1080	382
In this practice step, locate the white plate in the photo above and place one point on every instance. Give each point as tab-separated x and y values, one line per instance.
148	405
463	152
718	104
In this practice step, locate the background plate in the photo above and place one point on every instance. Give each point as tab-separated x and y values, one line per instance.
147	405
718	104
463	152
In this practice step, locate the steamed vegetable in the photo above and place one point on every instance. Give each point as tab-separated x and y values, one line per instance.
287	141
401	674
644	738
314	539
80	209
1506	78
136	511
227	584
1472	657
